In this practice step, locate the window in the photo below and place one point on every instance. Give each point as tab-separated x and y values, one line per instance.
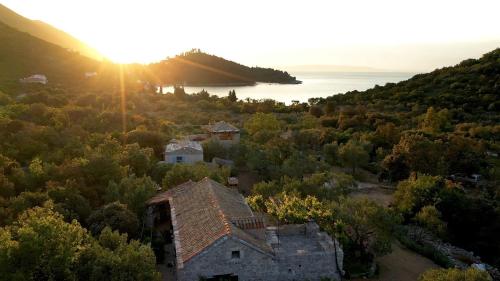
235	254
178	159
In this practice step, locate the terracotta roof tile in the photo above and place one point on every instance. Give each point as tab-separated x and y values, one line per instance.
202	213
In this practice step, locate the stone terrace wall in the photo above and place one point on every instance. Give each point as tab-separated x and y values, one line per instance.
457	255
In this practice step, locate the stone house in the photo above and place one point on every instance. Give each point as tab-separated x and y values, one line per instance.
216	236
183	151
224	132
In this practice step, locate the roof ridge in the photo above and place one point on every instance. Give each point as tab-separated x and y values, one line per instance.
216	203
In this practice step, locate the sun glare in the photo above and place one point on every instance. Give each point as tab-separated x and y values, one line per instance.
118	54
274	33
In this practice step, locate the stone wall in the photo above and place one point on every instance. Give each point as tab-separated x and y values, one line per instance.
311	266
254	265
216	260
460	258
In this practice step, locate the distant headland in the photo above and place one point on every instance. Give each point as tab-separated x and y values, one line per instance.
196	68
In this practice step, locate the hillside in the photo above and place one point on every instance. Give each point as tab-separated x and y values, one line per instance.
472	86
23	55
198	68
46	32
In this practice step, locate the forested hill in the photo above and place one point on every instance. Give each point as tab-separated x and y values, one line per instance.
22	55
472	86
45	32
198	68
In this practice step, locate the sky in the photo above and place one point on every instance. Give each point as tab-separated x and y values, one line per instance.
385	34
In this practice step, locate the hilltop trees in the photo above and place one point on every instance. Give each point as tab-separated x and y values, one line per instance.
366	226
413	194
232	96
148	139
429	217
213	148
117	217
353	155
330	108
316	111
40	245
331	150
111	257
70	203
262	122
415	153
182	173
435	122
442	156
132	191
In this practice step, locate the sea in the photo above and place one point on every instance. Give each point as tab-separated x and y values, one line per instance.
314	84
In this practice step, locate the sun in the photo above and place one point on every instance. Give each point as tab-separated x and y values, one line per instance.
122	51
120	56
120	45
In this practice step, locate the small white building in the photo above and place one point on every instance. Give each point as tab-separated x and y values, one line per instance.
37	78
183	151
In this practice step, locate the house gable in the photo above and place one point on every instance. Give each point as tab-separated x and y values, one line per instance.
232	256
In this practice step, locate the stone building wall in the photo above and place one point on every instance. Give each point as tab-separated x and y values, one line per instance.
256	266
217	259
312	267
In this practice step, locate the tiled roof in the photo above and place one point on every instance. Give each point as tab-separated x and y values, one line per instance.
183	146
201	215
164	196
221	127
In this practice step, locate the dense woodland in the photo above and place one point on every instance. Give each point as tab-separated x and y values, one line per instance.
79	157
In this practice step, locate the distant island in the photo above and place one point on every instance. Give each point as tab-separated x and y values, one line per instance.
196	68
